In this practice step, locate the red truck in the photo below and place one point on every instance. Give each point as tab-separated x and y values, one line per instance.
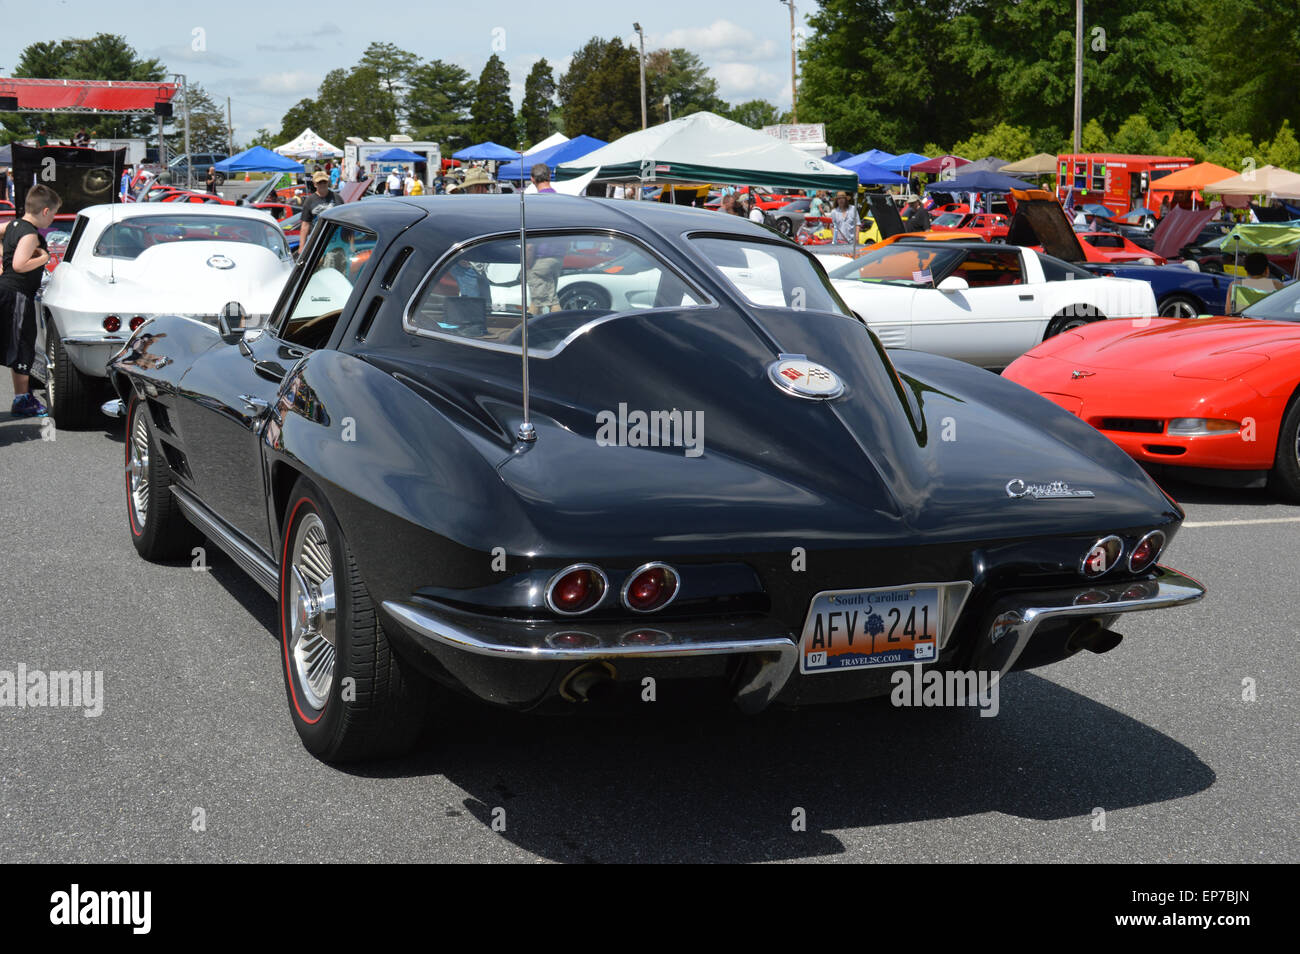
1116	180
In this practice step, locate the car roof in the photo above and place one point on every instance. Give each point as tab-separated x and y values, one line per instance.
473	215
131	210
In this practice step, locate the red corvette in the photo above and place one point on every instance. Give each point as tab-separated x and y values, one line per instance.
1113	247
1210	399
988	225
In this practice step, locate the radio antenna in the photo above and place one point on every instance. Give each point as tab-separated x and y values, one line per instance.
113	196
526	431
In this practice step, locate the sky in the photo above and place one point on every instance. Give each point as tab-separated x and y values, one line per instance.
251	52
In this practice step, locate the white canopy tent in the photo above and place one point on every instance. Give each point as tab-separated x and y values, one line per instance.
308	143
552	140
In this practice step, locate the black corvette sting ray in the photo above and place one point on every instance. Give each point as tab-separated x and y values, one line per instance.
702	467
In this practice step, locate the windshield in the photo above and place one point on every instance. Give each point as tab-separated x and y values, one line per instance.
778	276
1283	305
902	264
950	220
130	237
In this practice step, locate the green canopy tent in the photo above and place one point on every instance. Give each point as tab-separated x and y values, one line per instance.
1268	238
704	147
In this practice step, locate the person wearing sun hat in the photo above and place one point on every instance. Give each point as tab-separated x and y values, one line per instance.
321	200
476	182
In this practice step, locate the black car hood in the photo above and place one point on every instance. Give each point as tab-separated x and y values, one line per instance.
1042	222
895	456
885	214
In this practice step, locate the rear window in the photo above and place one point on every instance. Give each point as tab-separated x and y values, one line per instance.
771	275
1055	270
573	279
131	237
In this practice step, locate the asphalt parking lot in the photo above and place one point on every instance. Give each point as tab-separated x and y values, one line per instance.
194	757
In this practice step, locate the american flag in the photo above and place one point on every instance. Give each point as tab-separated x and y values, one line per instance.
922	276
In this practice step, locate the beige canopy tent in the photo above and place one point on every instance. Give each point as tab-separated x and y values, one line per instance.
1266	180
1043	164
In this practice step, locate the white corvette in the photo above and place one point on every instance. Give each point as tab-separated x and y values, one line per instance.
125	264
980	303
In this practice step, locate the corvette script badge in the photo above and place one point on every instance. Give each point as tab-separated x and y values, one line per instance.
1057	488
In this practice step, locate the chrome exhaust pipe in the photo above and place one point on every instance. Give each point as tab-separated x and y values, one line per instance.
114	408
1094	637
589	682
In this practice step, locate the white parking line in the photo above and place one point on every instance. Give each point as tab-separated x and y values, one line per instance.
1238	523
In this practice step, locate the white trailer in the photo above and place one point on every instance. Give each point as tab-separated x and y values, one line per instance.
357	151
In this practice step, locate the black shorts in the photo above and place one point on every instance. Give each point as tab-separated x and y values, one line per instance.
17	330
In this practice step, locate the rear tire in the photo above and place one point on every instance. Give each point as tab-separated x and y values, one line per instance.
351	697
785	227
1179	306
71	394
1076	316
1284	478
158	528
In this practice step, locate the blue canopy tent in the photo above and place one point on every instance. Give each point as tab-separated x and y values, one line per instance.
486	151
574	148
257	159
876	156
906	161
836	158
869	173
396	155
6	156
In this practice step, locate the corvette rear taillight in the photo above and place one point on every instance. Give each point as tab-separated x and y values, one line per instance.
576	589
1146	552
650	588
136	322
112	323
1102	557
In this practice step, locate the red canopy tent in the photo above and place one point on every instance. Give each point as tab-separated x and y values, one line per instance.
84	96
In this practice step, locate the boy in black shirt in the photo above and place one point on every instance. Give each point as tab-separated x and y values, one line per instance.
25	255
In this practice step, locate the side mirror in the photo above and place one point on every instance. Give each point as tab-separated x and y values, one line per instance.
230	322
953	284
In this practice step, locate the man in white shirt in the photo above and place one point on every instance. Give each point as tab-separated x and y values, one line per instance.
394	183
408	184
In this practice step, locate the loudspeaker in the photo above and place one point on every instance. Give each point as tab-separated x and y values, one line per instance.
162	109
8	104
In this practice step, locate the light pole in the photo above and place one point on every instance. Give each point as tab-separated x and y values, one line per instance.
640	33
668	107
1078	77
794	95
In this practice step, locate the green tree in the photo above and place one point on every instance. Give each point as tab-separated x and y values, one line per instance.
438	104
1093	138
1135	135
104	56
393	66
1183	142
754	113
493	116
1251	50
1231	150
682	77
304	113
601	91
263	138
1011	143
1284	150
539	102
207	123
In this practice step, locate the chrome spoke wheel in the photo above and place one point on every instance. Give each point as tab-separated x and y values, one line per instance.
311	609
51	357
1178	309
137	466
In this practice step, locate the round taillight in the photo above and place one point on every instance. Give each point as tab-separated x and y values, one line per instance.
650	588
645	637
576	589
112	323
136	322
1102	557
1147	551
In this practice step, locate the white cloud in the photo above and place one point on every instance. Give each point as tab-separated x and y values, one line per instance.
287	83
722	40
741	81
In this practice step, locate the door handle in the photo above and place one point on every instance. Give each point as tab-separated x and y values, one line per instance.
1026	297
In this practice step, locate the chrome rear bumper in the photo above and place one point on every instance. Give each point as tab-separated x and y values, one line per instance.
464	642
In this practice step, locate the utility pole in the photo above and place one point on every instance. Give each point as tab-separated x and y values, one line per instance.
230	131
668	108
640	33
794	89
1078	76
189	162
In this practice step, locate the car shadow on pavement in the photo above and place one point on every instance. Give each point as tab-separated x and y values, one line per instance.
18	430
711	785
1185	492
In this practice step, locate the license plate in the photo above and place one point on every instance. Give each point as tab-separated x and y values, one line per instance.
856	629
